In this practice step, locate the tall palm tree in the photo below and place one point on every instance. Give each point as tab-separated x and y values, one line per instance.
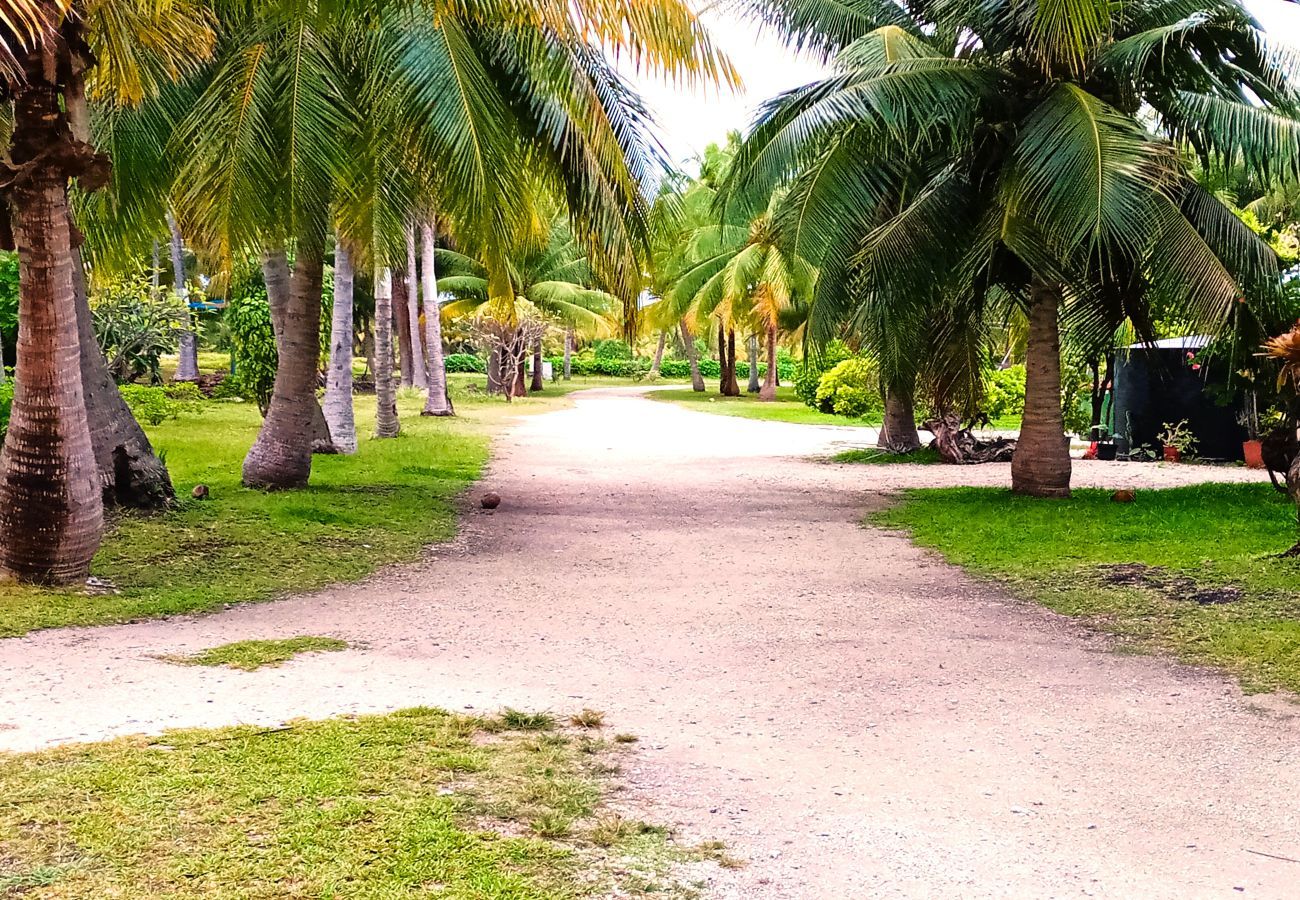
1019	133
51	488
438	401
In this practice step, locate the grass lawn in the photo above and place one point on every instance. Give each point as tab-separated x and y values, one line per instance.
377	507
1193	571
870	456
419	802
785	408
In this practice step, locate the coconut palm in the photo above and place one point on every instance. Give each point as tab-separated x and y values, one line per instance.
51	487
1037	150
550	275
736	273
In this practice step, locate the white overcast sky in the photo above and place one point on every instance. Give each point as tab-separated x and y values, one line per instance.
689	120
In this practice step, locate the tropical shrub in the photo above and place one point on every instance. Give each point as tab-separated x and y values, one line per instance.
256	357
611	348
850	389
807	379
465	362
150	403
135	325
6	405
9	302
1005	393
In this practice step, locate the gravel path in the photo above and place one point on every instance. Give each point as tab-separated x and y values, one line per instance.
849	714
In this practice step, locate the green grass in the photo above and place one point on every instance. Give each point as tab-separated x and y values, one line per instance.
871	456
377	507
785	408
1202	539
415	803
251	655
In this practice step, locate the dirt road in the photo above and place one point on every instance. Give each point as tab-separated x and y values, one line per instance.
852	716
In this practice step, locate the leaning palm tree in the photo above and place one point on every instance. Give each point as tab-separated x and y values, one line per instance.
1038	146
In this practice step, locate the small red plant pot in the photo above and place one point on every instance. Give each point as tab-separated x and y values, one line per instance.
1253	451
1091	452
1173	454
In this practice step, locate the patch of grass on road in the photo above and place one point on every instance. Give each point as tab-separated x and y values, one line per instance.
380	506
870	456
1194	570
419	802
785	408
249	656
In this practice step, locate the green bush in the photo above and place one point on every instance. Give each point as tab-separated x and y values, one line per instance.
850	389
256	357
611	348
151	404
807	379
585	365
465	362
6	405
1005	395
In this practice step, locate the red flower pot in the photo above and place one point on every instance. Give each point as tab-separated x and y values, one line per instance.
1254	453
1173	454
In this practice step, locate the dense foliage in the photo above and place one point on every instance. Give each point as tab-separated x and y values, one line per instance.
851	389
135	325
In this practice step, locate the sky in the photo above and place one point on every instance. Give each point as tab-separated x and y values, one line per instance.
691	119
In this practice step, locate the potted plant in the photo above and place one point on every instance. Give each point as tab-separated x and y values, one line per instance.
1252	449
1177	441
1103	444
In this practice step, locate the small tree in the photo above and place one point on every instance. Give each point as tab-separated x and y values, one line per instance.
508	345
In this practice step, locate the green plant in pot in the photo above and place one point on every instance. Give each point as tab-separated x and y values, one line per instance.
1177	441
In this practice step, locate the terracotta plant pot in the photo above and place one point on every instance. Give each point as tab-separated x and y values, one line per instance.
1254	453
1173	454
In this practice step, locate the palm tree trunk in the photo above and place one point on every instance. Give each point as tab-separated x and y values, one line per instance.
769	382
187	365
387	424
130	472
438	403
419	373
338	384
898	431
752	346
1041	465
281	456
659	355
692	357
51	509
568	354
538	382
275	274
730	386
402	328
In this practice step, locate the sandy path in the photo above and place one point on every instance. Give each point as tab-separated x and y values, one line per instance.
851	715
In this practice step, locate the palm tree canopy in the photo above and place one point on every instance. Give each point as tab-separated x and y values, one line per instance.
548	274
960	148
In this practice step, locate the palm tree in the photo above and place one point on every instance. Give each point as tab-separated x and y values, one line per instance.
739	274
1018	136
438	401
187	364
51	488
338	383
549	274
